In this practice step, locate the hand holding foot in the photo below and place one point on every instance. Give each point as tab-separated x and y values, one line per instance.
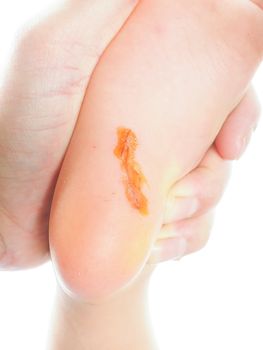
163	79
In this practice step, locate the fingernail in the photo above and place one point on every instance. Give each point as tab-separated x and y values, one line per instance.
243	144
168	249
179	208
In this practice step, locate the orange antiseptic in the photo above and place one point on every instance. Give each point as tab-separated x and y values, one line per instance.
133	177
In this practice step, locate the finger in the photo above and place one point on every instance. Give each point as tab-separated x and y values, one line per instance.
181	238
235	134
200	190
39	105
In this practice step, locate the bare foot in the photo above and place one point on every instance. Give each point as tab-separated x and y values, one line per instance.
147	120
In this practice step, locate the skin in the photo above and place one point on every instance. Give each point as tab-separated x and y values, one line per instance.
24	241
38	114
77	325
36	127
181	81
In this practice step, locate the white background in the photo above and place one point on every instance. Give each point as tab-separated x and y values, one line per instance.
210	300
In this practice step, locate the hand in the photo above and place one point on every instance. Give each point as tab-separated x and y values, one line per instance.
189	216
190	207
39	104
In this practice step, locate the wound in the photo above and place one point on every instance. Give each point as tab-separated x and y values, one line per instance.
133	177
